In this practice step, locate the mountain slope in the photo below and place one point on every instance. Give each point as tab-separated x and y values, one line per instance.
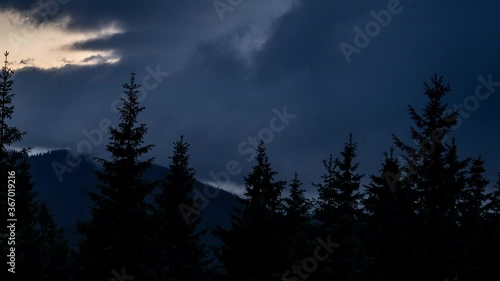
69	203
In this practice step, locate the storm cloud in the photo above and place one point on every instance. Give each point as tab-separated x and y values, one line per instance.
227	78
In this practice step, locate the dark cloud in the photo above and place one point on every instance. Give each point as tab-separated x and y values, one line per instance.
97	59
27	61
227	77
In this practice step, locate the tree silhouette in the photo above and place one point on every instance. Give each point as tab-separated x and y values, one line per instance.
339	213
31	263
298	223
254	248
54	255
8	134
426	216
182	254
472	221
488	256
387	236
118	233
437	177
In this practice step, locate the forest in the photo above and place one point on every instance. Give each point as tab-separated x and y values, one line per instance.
426	213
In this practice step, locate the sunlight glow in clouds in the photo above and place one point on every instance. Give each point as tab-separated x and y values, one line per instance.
48	45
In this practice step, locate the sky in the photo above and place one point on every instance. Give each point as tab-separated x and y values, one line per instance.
300	74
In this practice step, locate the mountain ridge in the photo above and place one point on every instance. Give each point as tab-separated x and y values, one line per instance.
81	178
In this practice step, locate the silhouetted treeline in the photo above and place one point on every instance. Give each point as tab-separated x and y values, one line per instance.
32	247
423	216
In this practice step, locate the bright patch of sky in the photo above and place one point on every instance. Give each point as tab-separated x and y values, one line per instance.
48	45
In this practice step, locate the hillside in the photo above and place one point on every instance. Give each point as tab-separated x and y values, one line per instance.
78	180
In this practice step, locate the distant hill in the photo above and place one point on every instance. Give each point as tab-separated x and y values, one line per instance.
69	203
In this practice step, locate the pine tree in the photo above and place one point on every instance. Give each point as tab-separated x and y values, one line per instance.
54	254
473	197
490	246
182	253
348	182
25	205
8	135
456	182
26	209
472	221
326	211
338	214
493	207
425	163
117	238
380	197
297	221
326	215
297	206
257	228
431	177
387	236
486	257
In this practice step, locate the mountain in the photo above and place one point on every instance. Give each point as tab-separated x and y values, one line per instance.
65	194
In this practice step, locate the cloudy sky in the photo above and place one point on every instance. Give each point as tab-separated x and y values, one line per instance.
219	72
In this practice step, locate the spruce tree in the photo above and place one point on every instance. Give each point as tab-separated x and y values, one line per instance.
326	211
181	251
425	162
338	214
326	215
432	173
117	238
492	254
457	185
54	254
454	185
8	135
472	197
387	232
26	207
255	248
493	207
297	207
380	197
297	222
472	214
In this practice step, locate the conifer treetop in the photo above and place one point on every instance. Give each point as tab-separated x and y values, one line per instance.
8	135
